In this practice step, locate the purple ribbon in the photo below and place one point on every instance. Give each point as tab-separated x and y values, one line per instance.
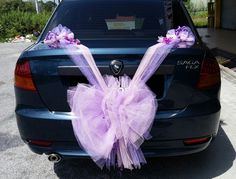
115	115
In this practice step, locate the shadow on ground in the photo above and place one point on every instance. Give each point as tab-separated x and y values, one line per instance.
214	161
9	141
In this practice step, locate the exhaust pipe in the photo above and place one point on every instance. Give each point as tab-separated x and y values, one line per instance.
55	158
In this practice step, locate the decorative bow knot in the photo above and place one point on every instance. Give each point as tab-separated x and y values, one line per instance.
115	115
182	37
60	37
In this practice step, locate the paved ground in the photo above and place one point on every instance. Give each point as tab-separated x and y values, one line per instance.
17	161
221	43
219	38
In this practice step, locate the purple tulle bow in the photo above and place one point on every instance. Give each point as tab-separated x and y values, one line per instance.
60	37
182	37
115	115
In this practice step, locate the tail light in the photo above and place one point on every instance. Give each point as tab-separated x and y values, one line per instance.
42	143
209	74
23	77
196	141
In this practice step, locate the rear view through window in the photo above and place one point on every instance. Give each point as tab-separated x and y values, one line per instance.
115	19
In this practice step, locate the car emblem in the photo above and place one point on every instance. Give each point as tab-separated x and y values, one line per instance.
116	66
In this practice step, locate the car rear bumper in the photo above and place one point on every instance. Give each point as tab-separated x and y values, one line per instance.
172	148
169	130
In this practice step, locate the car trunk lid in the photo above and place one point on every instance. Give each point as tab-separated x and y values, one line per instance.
173	83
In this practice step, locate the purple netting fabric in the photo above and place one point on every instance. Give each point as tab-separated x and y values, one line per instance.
114	115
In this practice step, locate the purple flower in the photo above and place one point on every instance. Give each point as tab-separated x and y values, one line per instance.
60	37
180	35
185	34
165	40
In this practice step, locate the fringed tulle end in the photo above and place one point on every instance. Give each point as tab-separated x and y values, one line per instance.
122	157
111	126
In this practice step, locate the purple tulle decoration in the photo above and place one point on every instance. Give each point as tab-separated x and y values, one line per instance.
113	116
182	37
60	37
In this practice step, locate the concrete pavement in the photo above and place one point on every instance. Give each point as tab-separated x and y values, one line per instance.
221	39
222	44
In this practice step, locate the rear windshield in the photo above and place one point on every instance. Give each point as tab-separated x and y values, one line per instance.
101	19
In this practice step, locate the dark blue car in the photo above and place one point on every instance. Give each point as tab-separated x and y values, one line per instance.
187	84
